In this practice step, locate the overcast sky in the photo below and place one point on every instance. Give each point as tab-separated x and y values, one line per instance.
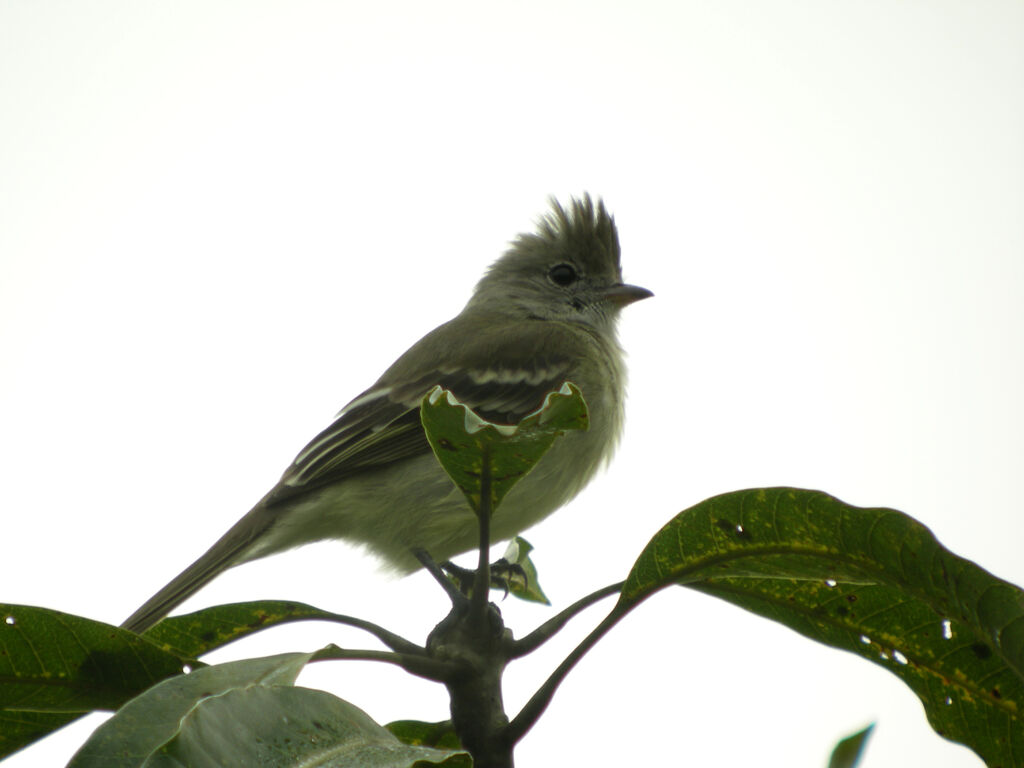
219	221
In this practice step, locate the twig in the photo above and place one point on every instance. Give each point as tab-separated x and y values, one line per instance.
421	666
547	630
395	642
478	600
535	707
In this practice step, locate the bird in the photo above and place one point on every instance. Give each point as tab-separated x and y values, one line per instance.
545	312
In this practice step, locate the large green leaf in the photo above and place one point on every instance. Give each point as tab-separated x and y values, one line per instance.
19	728
465	444
154	717
247	713
55	667
284	726
55	662
871	581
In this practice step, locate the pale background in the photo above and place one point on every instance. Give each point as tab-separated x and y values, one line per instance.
219	221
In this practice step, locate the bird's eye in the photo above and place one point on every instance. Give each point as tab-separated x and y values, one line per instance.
563	275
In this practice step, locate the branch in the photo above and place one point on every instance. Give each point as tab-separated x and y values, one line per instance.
395	642
535	707
438	574
421	666
551	627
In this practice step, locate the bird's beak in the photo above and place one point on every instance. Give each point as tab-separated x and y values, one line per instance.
622	295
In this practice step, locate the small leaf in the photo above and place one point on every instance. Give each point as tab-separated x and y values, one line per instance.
848	751
874	582
420	734
461	439
151	719
518	553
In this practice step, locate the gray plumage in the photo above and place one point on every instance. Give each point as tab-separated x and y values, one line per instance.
543	313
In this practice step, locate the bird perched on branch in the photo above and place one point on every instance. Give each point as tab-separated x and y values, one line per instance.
544	313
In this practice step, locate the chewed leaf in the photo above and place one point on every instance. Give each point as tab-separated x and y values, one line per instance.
874	582
527	585
466	444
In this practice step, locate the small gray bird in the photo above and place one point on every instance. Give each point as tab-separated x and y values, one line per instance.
544	313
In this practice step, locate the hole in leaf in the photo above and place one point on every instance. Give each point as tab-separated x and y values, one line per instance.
949	701
947	629
981	650
186	668
898	657
830	582
865	639
730	527
9	620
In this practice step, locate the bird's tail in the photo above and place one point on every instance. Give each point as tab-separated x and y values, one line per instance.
228	551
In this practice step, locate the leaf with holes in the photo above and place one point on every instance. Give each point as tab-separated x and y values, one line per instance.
871	581
526	584
467	445
55	666
55	662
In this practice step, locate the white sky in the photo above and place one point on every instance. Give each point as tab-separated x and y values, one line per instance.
220	221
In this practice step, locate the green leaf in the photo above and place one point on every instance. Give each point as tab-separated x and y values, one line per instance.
151	719
19	728
420	734
193	634
528	588
284	726
55	662
55	667
247	713
464	443
848	752
874	582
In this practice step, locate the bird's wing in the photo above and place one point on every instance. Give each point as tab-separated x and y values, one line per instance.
382	425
